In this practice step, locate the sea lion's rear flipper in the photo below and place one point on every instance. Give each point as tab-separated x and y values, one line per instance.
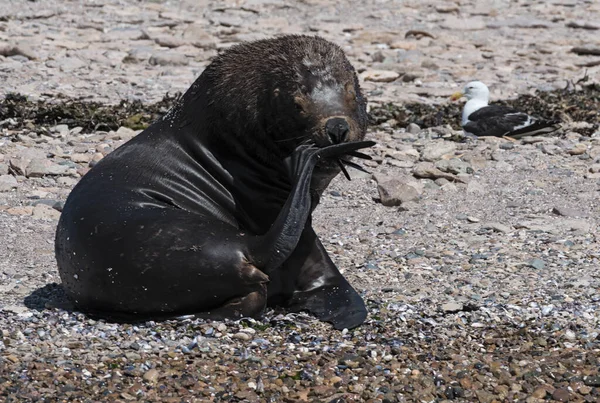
281	240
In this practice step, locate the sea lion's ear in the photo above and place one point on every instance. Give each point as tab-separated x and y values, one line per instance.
276	92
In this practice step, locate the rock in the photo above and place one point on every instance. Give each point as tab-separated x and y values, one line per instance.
454	166
561	395
25	210
4	169
413	128
497	227
380	76
169	41
63	130
568	212
19	165
537	264
475	186
66	181
583	25
138	54
38	168
592	380
394	192
168	59
586	50
447	8
8	183
578	149
463	24
151	376
452	307
79	157
436	150
44	212
70	64
197	35
539	393
95	159
404	45
242	336
551	149
428	170
19	50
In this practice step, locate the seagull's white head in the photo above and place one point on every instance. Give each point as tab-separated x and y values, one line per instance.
477	90
473	90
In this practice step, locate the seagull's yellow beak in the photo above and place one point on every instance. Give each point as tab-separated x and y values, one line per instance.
457	95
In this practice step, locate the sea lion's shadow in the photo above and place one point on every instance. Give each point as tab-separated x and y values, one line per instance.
50	296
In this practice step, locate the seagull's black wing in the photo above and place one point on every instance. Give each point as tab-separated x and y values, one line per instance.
496	120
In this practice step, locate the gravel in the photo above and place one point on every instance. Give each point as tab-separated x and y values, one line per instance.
480	276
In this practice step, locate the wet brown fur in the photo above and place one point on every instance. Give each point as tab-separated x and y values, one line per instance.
268	94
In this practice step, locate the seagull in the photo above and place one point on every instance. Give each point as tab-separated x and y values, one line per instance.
481	119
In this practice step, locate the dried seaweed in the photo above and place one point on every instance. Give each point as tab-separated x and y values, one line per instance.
16	112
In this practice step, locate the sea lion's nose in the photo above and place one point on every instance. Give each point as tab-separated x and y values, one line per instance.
337	129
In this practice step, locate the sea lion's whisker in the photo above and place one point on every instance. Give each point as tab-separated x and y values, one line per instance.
353	165
343	168
358	154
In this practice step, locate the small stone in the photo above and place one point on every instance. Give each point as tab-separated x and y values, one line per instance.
394	192
242	336
414	128
79	157
168	59
66	181
592	380
568	212
169	41
452	307
435	151
537	264
578	149
539	393
497	227
21	211
429	171
8	183
380	76
151	376
561	395
45	212
60	129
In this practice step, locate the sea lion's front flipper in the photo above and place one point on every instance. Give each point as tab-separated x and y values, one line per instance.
309	281
281	240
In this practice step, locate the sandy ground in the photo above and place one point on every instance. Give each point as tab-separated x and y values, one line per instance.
485	287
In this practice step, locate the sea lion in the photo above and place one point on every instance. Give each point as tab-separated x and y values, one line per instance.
208	211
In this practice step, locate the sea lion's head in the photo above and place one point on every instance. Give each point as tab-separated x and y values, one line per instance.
276	94
316	97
